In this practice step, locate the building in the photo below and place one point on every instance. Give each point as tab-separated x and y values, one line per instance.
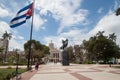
3	44
55	54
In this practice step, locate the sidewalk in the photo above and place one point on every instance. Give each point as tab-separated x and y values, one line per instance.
74	72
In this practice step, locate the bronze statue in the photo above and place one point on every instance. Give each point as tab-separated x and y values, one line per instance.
65	55
65	43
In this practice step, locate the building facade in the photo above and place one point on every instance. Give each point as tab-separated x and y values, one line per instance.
55	54
3	45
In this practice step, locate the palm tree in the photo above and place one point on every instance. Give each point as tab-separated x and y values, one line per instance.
118	12
112	37
6	37
1	54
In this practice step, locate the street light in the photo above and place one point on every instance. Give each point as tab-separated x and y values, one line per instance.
29	56
32	45
17	63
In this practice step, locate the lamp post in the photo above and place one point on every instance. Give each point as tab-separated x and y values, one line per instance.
31	60
17	63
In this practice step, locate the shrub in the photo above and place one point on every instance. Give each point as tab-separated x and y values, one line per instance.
9	67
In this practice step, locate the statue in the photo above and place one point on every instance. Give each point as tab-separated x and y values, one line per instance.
65	55
65	43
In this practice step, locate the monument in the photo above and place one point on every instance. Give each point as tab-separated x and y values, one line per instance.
65	55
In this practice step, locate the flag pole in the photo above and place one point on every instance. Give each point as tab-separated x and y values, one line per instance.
29	53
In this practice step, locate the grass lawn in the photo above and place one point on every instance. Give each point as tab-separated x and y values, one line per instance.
117	67
8	71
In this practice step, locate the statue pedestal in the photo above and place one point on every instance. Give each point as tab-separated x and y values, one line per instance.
65	58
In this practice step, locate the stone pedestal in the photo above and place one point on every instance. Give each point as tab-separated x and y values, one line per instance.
65	58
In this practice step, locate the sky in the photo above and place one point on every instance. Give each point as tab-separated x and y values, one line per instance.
56	20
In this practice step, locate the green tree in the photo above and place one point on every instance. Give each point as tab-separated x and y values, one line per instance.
1	50
45	50
86	54
1	54
6	37
38	50
89	46
103	47
70	54
118	12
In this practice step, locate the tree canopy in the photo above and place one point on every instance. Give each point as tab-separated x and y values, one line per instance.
101	47
118	12
38	50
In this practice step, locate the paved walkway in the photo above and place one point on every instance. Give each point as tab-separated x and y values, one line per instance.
75	72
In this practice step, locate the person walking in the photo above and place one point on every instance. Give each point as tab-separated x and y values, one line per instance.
36	65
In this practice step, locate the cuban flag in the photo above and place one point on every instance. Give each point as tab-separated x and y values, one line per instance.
22	16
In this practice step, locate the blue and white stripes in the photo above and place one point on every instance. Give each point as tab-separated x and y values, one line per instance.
21	16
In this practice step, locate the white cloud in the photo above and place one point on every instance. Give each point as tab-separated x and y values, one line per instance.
38	22
110	23
16	40
21	37
55	39
117	4
4	27
74	36
3	12
100	10
16	44
72	19
66	11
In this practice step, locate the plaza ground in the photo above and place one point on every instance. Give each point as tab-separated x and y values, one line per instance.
53	71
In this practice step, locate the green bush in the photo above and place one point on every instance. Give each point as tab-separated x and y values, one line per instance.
76	62
9	67
6	74
88	62
8	77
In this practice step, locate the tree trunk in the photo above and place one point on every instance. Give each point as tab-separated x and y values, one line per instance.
6	50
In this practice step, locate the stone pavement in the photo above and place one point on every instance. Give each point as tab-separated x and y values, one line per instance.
76	72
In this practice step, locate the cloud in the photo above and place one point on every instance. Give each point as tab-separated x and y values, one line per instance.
17	41
3	11
70	20
75	36
4	27
21	37
100	10
66	11
16	44
38	22
55	39
117	4
69	13
110	23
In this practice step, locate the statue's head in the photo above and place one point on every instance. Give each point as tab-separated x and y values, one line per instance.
65	43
